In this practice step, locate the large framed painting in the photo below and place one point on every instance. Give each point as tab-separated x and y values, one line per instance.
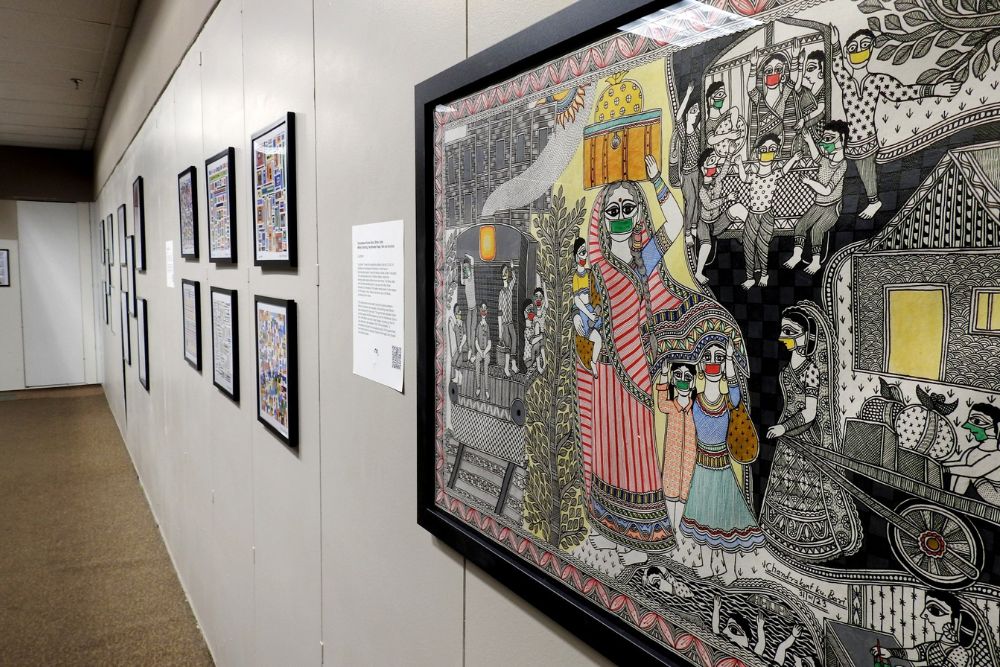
4	267
277	369
220	188
139	223
226	342
142	334
709	327
191	314
187	207
272	164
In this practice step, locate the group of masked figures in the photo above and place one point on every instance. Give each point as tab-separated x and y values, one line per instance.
646	342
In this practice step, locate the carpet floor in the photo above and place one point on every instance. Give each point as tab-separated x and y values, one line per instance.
85	578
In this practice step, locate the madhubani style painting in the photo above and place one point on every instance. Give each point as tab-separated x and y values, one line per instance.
717	327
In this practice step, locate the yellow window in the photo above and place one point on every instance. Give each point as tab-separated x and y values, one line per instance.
916	329
986	311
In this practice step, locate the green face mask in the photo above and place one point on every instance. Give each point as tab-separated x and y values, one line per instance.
978	432
622	226
828	147
683	385
718	103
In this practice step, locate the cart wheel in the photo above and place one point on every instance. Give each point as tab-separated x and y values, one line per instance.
517	414
939	531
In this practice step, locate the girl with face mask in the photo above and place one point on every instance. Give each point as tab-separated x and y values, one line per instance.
533	353
717	516
675	400
816	521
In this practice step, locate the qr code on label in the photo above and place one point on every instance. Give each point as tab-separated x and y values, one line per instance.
397	357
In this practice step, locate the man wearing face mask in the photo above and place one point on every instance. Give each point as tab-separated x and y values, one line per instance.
861	91
829	189
505	320
979	465
533	354
713	219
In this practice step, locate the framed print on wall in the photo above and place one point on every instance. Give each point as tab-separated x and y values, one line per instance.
272	164
142	333
104	245
187	206
698	369
125	332
220	186
191	313
122	233
225	342
4	267
130	271
277	370
139	223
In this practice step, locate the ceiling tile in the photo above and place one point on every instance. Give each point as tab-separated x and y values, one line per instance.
53	30
56	109
96	11
42	75
28	51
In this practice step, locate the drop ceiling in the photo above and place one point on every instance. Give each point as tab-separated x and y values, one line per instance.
57	61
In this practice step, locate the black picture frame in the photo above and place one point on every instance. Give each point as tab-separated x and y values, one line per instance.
104	246
289	258
221	200
572	28
142	333
139	223
126	334
231	298
187	210
130	272
122	233
291	434
195	297
5	263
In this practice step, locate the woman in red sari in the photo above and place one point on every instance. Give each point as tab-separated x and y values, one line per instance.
648	317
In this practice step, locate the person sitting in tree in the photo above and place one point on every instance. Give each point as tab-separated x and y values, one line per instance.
587	320
861	90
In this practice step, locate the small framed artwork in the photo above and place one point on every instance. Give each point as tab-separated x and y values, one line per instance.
130	271
4	267
187	205
220	184
123	320
112	242
142	336
272	163
122	232
104	255
277	390
191	304
106	298
139	224
110	262
225	342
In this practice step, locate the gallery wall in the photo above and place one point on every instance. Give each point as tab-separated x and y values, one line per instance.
298	557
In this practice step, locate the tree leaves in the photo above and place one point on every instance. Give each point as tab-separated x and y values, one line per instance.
981	64
923	46
874	25
886	52
949	58
870	6
916	17
903	54
929	76
947	38
904	5
892	23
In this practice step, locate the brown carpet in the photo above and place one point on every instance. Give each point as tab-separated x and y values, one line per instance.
84	576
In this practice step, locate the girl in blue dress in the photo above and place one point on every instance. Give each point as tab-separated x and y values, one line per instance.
717	516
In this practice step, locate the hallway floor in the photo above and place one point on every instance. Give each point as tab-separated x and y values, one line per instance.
85	578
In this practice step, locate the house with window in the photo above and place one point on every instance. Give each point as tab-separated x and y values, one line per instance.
919	303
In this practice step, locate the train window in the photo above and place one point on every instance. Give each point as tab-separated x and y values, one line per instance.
520	149
467	163
480	158
986	311
500	154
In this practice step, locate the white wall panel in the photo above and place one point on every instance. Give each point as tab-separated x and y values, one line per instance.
51	298
11	345
392	594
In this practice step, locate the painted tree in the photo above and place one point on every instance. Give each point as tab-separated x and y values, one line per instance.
968	30
553	497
